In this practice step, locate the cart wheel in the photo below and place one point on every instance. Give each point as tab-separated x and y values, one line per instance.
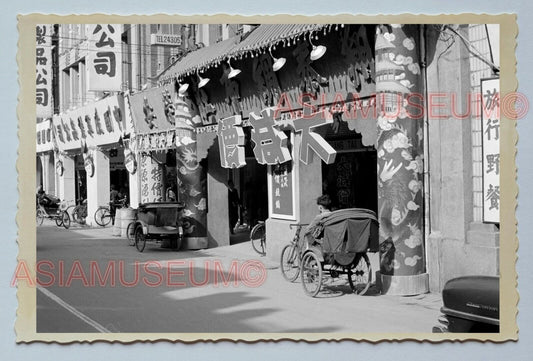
65	219
290	262
140	239
102	216
130	233
59	219
175	243
360	276
257	236
40	217
311	274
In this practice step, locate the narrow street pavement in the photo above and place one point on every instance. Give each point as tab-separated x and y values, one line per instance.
161	290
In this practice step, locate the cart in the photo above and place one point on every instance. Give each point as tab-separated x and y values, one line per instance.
52	208
157	222
338	247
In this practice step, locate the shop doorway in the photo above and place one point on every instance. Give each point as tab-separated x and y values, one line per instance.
351	181
80	179
118	175
251	184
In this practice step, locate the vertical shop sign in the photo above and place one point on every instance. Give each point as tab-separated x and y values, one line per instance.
490	123
231	142
151	180
104	60
43	61
281	184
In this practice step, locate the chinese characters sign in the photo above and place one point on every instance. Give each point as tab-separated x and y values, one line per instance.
282	191
104	62
490	117
43	76
151	180
96	124
270	143
231	142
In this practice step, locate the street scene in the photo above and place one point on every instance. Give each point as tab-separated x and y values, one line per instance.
268	178
210	301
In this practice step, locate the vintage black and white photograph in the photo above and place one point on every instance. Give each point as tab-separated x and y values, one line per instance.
308	180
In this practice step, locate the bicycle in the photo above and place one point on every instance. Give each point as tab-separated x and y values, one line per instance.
79	211
291	255
103	215
258	238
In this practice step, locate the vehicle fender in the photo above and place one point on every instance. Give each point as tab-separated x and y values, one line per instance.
317	251
143	226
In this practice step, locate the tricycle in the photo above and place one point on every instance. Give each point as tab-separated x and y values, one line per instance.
156	222
49	206
339	246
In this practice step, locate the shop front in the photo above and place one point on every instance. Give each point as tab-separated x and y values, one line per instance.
88	141
163	146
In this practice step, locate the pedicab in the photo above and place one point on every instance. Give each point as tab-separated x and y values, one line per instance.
49	206
339	246
157	222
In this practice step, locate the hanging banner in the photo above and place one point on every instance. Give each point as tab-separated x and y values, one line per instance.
490	123
104	59
281	190
43	61
98	123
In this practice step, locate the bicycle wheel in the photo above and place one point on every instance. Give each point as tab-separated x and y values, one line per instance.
311	274
130	233
290	262
360	276
59	219
102	216
65	219
140	239
258	238
40	216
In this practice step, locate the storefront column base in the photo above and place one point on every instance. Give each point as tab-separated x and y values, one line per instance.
405	285
193	243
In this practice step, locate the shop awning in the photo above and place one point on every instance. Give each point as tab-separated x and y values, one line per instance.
261	37
266	35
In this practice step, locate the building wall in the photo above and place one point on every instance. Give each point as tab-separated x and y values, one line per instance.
457	244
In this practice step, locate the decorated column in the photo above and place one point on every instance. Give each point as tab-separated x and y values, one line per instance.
400	160
192	177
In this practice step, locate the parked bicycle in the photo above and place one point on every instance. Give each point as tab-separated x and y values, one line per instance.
291	255
258	238
103	215
78	211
